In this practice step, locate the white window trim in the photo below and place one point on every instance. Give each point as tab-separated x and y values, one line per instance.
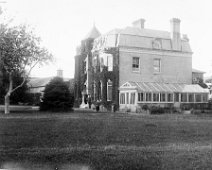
159	65
139	66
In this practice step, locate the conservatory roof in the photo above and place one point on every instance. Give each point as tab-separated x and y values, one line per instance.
164	87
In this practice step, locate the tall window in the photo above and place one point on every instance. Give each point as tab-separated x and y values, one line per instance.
109	90
110	62
127	94
184	97
191	97
162	97
140	97
170	97
122	98
135	64
176	97
157	65
106	60
148	97
156	97
132	98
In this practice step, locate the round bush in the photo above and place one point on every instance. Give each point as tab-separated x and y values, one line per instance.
57	96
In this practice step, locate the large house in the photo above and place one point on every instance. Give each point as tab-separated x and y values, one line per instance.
133	66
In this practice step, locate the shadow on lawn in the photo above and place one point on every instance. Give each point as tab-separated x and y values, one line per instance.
82	160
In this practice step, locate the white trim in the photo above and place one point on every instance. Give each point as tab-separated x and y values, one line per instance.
139	65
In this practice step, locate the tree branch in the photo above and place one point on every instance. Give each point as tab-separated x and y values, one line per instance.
25	77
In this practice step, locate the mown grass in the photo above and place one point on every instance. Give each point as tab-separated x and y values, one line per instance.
109	141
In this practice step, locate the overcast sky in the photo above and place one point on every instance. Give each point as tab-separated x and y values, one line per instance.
62	24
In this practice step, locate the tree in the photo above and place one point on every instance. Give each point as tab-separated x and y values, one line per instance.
20	95
20	52
57	96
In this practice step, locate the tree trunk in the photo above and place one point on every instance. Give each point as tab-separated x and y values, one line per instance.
7	104
7	96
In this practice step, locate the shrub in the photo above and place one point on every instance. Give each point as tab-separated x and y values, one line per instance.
57	96
145	107
157	110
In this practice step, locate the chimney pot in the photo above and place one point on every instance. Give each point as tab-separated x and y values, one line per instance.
139	23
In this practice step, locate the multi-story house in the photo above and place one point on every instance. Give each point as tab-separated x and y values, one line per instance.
134	66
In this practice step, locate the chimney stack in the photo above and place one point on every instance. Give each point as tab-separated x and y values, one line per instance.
175	34
60	73
139	23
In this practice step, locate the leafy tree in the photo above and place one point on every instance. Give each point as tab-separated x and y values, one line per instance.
57	96
20	52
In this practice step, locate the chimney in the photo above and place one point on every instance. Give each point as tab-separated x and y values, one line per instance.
139	23
60	73
175	34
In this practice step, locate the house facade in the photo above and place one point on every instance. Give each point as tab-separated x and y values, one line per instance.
135	65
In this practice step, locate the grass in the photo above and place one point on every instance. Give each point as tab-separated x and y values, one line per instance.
109	141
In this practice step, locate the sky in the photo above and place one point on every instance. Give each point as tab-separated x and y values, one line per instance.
62	24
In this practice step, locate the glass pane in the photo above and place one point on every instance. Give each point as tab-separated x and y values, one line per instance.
156	97
132	98
184	97
135	63
122	98
110	63
198	97
191	97
170	97
127	98
148	97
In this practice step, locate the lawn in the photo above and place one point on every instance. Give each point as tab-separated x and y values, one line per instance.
109	141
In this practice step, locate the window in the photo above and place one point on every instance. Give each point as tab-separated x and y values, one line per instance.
157	65
198	97
109	90
176	97
184	97
162	97
156	97
122	98
132	98
94	90
148	97
204	97
140	97
135	64
110	62
106	60
127	102
170	97
191	97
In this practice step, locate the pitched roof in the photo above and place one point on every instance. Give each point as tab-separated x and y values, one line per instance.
164	87
36	82
94	33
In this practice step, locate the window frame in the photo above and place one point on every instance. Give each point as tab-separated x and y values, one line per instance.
158	66
122	98
135	69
